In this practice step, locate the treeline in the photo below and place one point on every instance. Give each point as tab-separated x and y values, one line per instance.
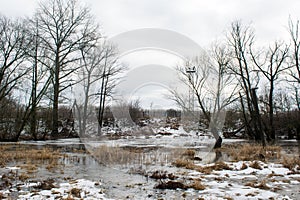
43	59
260	83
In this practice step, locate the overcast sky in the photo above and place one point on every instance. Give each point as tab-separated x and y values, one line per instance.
202	21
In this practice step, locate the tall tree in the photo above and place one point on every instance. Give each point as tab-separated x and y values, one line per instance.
293	29
40	77
222	89
240	38
211	85
110	69
294	72
64	28
97	76
271	64
194	74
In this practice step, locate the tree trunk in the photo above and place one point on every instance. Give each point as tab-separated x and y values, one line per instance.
34	96
55	98
101	100
271	112
257	119
55	112
246	123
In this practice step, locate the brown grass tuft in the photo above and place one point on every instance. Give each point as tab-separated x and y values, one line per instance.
228	198
183	163
76	192
171	185
23	177
255	164
197	185
250	152
190	153
292	163
274	175
218	166
260	185
244	166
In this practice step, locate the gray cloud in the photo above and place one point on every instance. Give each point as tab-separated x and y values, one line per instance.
203	21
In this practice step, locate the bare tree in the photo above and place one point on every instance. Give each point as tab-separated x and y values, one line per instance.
293	29
12	43
240	38
294	72
222	88
88	76
97	74
64	28
195	81
271	64
110	69
40	77
211	84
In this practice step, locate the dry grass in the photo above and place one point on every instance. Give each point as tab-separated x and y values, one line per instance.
218	166
255	164
76	192
260	185
250	152
23	177
174	185
162	175
190	153
115	155
132	155
197	185
274	175
184	163
14	152
228	198
30	168
28	159
292	163
244	166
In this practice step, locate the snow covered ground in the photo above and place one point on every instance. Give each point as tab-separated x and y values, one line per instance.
75	189
241	181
